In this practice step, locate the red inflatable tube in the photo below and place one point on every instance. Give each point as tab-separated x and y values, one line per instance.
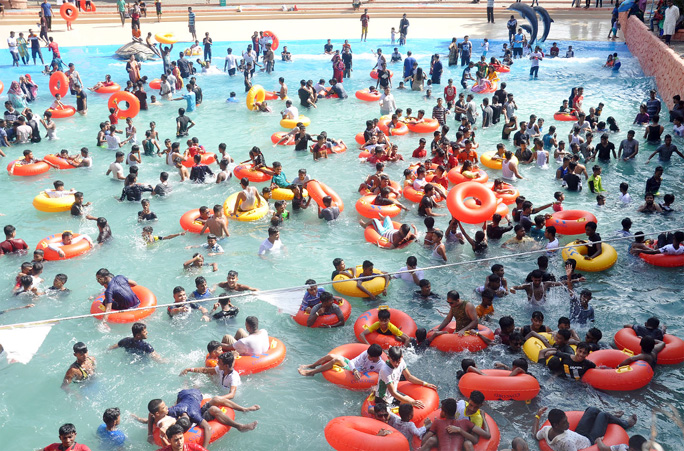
614	435
207	158
59	84
663	260
327	320
428	396
492	444
109	89
497	385
17	168
458	209
367	96
318	190
245	170
61	113
258	363
68	12
372	236
673	354
189	223
147	299
358	433
70	251
61	163
124	96
155	84
366	208
400	319
196	434
451	342
374	74
634	376
274	38
345	378
91	9
565	117
457	178
570	222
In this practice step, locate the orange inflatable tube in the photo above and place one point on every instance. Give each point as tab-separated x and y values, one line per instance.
70	251
245	170
124	96
366	208
111	89
207	158
327	320
61	113
614	435
428	396
318	190
428	125
457	178
469	215
570	222
190	223
451	342
345	378
277	136
25	170
673	354
367	96
372	236
497	385
59	84
383	124
611	377
358	433
258	363
196	434
61	163
400	319
147	299
68	12
492	444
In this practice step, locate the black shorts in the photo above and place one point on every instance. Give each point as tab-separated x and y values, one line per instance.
205	412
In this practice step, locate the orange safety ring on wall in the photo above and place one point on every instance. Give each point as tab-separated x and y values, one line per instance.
458	209
274	38
428	396
491	444
258	363
327	320
615	434
147	299
114	87
70	251
457	178
367	96
428	125
206	158
17	168
400	319
59	84
570	222
355	433
345	378
496	385
609	376
318	190
245	170
196	434
124	96
673	353
189	222
68	12
451	342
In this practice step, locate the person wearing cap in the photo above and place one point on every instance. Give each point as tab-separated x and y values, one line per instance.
82	368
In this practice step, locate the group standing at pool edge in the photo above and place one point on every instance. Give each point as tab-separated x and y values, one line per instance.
459	425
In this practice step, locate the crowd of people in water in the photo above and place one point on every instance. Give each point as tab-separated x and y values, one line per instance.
461	424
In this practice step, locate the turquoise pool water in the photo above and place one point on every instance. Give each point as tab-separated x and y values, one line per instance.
294	410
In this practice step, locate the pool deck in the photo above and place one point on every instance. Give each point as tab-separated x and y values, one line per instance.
105	29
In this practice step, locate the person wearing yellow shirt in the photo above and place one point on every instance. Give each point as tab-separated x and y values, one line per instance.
383	326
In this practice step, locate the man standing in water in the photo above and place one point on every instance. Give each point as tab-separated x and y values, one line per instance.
82	368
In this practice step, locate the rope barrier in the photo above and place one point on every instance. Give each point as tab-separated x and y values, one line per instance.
304	287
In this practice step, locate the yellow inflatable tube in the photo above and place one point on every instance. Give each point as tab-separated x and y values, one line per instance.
532	346
165	38
245	216
255	94
487	160
604	261
292	123
285	194
348	287
42	202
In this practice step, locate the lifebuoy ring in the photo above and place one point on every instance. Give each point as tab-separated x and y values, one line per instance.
318	190
61	113
491	444
355	433
91	9
328	320
277	136
428	125
245	170
58	84
347	287
196	434
570	222
207	158
457	178
114	87
496	385
608	376
673	354
42	202
258	363
615	434
367	96
255	94
345	378
155	84
189	222
147	299
469	215
124	96
451	342
68	12
61	163
400	319
70	251
372	236
374	74
365	207
275	43
604	261
428	396
26	170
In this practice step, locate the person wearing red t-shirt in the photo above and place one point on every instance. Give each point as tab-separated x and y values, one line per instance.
67	437
450	92
440	177
420	151
54	48
467	153
12	244
177	440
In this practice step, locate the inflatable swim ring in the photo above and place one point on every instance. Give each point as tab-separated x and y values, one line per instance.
114	87
615	435
488	87
58	84
347	287
663	260
43	202
359	433
374	74
457	178
189	222
570	222
61	113
255	94
165	38
147	299
492	444
365	207
327	320
451	342
26	170
292	123
245	216
196	434
68	12
501	68
428	396
285	194
61	163
124	96
367	96
673	354
565	116
192	51
155	84
345	378
400	319
207	158
428	125
318	190
245	170
604	261
410	193
372	236
275	43
277	136
91	9
497	385
469	215
70	251
487	160
506	198
613	378
258	363
533	345
396	131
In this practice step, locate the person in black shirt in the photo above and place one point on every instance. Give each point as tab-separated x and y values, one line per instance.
501	94
302	139
141	95
593	250
494	230
328	47
133	190
427	203
521	136
137	343
304	95
183	123
197	90
561	338
146	214
199	171
543	266
572	181
603	149
78	207
574	365
497	109
81	100
337	88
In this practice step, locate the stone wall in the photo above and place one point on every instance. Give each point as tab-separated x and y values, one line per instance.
656	59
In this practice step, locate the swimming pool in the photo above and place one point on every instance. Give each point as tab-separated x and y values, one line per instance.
294	409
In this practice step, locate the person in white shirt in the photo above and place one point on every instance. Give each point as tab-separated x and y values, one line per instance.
68	239
369	361
415	275
272	243
624	197
252	341
387	103
320	86
552	246
231	63
116	168
535	57
14	50
636	443
290	111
